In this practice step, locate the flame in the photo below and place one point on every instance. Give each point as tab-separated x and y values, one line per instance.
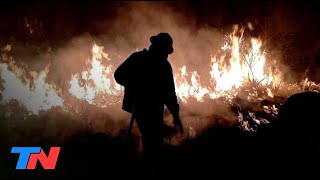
230	70
185	90
237	63
96	85
35	93
240	67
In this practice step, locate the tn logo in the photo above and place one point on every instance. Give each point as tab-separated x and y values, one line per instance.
29	156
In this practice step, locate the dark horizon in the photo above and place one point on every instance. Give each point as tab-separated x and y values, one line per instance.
291	27
71	18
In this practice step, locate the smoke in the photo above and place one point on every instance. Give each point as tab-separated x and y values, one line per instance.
193	45
126	30
136	23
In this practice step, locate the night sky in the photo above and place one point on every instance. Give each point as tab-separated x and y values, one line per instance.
62	19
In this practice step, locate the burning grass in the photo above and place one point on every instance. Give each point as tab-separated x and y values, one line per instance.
244	88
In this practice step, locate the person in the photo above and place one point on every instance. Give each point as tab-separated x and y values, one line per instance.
149	86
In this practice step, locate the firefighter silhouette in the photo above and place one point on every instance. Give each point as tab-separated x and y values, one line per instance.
149	86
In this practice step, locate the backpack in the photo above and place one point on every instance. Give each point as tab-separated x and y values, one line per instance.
123	75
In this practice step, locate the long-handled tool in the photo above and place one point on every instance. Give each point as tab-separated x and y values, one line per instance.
130	126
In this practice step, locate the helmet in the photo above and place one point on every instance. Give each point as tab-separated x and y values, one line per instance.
164	40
